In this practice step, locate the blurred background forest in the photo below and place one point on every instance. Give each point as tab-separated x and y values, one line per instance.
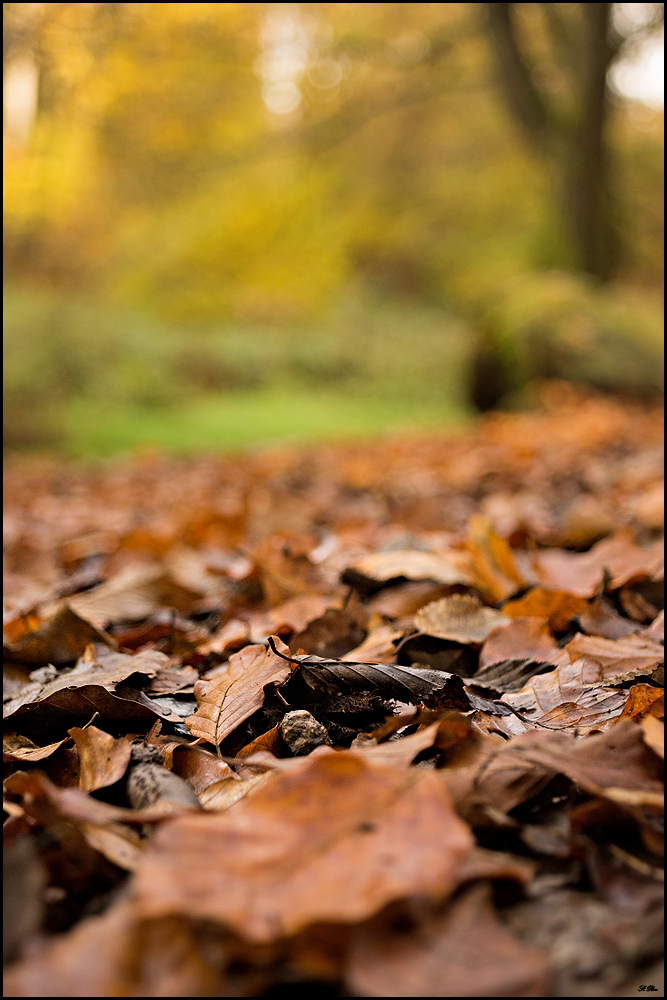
227	223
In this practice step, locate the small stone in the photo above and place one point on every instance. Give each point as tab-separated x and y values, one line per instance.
302	733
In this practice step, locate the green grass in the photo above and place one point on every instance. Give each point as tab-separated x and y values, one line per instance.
239	420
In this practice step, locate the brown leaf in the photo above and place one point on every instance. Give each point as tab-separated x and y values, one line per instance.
334	633
115	954
17	747
581	573
118	843
565	697
58	640
105	671
521	639
224	793
291	616
413	564
654	734
198	767
494	570
136	592
465	952
406	598
617	759
557	606
223	704
599	618
103	760
378	646
644	700
619	659
332	838
460	618
271	741
80	807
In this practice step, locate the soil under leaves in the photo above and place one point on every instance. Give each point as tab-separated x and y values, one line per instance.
357	720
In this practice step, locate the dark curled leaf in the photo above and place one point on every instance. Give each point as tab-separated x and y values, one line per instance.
392	679
510	675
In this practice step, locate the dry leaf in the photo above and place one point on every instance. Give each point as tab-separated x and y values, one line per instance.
59	640
465	952
332	838
17	747
459	618
565	697
521	639
645	700
106	671
494	570
557	606
654	734
413	564
103	760
619	659
223	704
224	793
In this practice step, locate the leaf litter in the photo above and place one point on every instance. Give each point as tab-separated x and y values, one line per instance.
360	721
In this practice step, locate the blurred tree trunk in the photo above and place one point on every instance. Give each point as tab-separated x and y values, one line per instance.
571	137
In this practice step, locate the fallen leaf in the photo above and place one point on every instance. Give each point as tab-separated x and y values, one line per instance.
334	633
644	700
557	606
224	793
379	646
464	952
565	697
414	564
494	570
59	640
391	679
271	741
333	838
654	734
406	598
105	672
581	573
599	618
118	843
521	639
223	704
289	617
136	592
459	618
103	760
619	659
17	747
198	767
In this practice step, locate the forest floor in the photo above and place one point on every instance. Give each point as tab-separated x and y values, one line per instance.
367	719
